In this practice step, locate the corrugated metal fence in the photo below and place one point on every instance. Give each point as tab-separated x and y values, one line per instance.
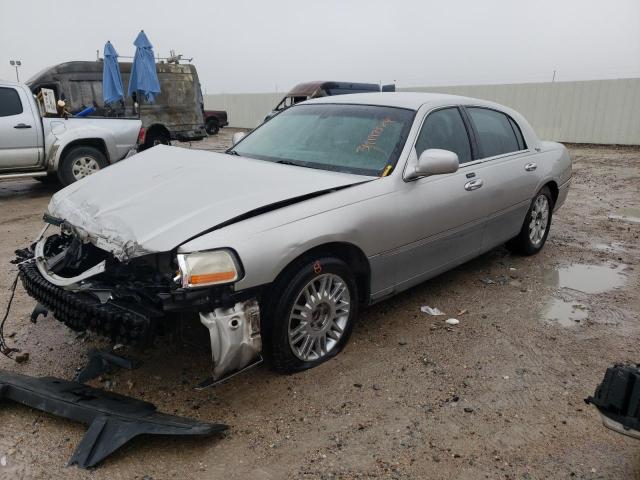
594	111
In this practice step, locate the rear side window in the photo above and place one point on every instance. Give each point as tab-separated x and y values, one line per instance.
10	103
496	135
445	129
516	129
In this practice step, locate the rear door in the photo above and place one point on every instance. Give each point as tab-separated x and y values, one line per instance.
19	140
508	171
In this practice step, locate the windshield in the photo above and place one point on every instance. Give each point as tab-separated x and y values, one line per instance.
360	139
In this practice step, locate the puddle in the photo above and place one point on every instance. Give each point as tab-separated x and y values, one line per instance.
567	314
586	278
613	247
630	214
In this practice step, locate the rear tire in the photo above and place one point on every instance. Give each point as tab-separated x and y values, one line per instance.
155	137
80	162
309	314
212	126
535	228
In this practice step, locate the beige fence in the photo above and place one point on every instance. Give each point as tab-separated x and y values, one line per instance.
594	111
245	110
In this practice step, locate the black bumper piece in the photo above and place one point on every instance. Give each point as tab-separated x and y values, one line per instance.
618	399
82	311
113	419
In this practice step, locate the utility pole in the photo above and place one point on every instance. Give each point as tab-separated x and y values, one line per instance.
554	77
16	64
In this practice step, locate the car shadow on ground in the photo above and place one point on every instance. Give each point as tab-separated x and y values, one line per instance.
28	188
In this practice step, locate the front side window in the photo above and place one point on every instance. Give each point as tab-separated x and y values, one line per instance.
360	139
495	133
444	129
10	103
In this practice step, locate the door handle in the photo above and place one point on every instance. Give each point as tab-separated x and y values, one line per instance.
22	125
473	185
530	167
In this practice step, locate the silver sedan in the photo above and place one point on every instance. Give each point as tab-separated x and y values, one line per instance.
334	203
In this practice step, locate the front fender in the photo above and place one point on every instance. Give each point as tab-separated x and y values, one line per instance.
268	243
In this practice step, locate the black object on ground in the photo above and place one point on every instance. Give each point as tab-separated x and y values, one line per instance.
38	310
618	399
113	419
104	361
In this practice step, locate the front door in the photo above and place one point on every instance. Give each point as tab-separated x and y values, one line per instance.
444	215
19	142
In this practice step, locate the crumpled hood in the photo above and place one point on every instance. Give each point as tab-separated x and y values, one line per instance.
158	199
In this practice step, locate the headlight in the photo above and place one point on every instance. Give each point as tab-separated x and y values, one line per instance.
200	269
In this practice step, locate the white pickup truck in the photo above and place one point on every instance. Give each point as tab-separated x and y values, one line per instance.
50	148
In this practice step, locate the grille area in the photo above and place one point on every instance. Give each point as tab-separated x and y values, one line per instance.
82	311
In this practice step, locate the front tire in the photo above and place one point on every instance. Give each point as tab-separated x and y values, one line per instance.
310	314
537	223
80	162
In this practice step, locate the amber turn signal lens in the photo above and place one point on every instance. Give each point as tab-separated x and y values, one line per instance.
212	277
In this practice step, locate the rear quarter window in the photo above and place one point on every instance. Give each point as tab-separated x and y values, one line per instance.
10	103
496	132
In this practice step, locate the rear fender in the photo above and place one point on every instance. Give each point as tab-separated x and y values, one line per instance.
59	137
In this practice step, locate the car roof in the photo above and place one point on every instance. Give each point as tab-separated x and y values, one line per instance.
411	100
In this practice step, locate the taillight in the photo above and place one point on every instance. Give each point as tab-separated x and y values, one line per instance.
141	134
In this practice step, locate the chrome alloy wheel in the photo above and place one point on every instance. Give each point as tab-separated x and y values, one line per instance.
84	166
539	219
319	317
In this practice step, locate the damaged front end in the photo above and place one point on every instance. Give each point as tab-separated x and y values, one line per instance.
130	302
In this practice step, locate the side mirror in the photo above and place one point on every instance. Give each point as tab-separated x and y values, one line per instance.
237	137
435	162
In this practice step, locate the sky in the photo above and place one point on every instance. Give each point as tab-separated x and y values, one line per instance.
266	46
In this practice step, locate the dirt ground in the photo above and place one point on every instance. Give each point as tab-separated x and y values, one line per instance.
500	395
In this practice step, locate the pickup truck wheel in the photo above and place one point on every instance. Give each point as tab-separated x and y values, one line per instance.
80	162
311	316
535	228
212	126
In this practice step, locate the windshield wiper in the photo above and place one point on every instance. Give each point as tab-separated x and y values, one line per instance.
288	162
232	152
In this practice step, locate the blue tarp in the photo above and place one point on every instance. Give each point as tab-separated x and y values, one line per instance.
112	89
144	78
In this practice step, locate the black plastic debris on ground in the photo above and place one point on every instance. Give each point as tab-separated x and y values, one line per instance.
113	419
618	399
104	361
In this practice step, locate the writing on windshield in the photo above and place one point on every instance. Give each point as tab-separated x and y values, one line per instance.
373	136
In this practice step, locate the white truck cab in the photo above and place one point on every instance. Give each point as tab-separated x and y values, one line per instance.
33	145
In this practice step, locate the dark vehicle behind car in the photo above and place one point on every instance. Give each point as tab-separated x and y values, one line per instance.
176	114
307	90
214	120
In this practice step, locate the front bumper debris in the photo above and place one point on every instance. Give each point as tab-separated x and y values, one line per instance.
618	399
235	339
113	419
